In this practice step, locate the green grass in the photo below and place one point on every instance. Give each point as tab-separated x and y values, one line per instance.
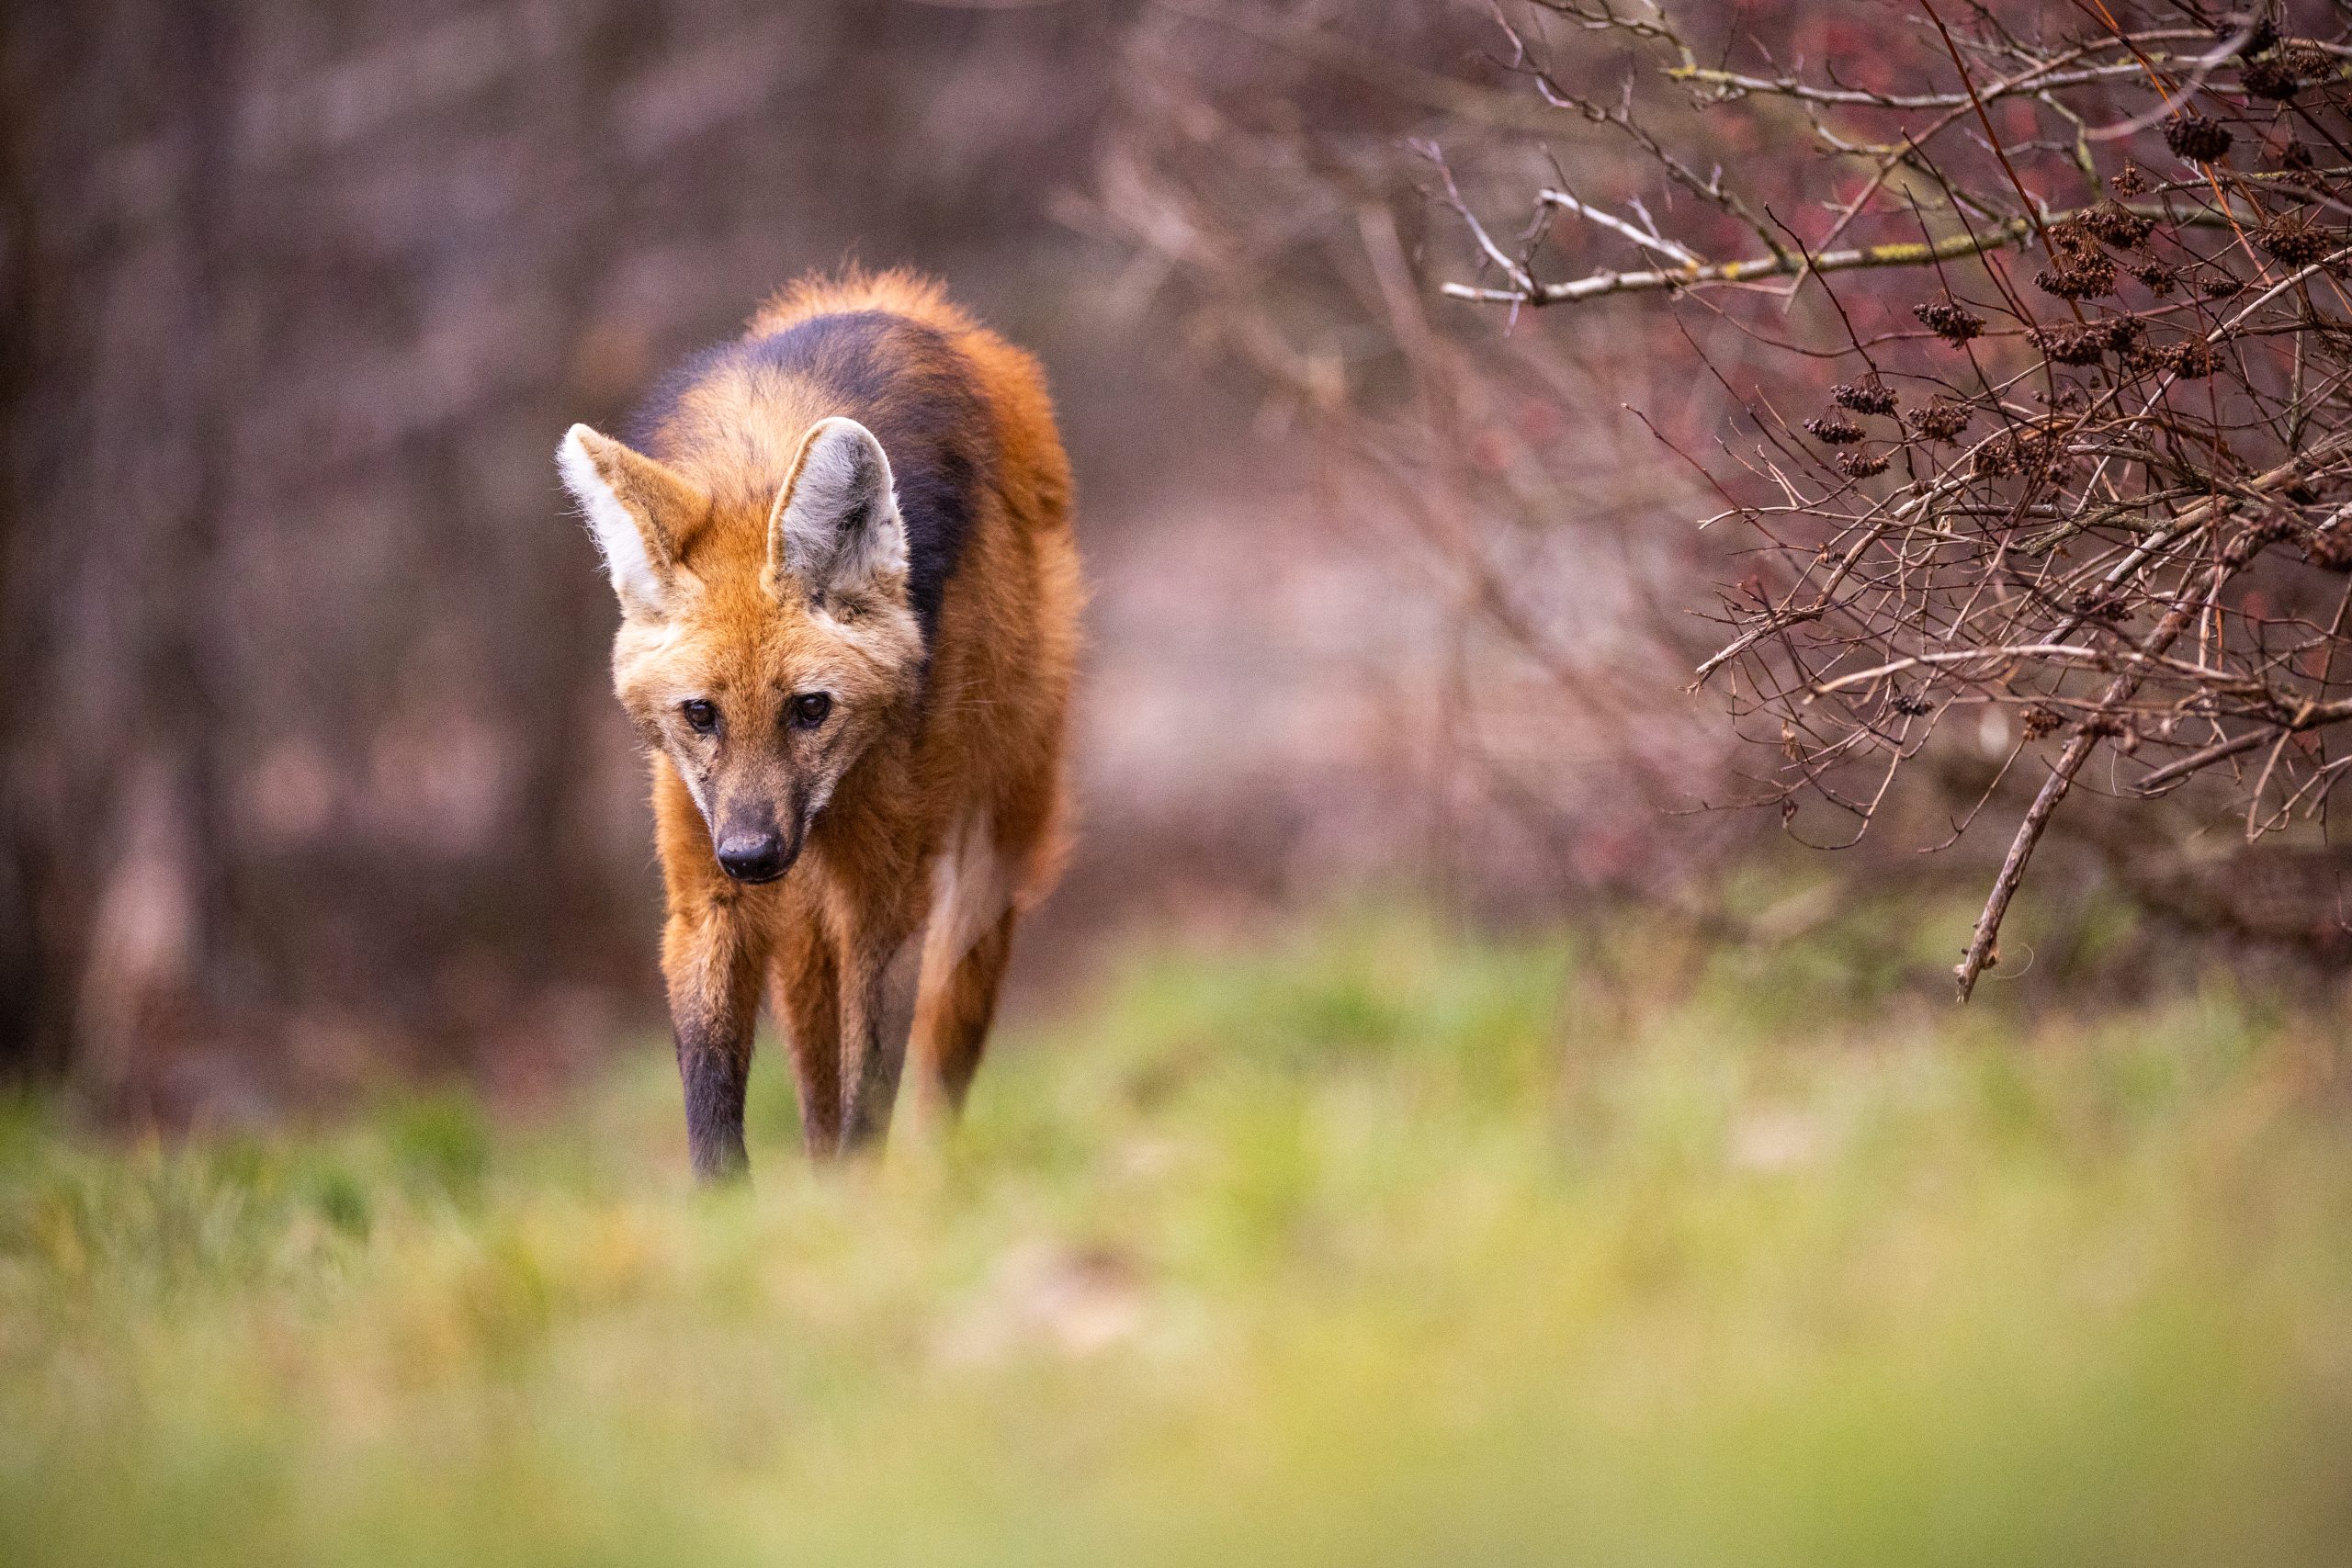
1386	1246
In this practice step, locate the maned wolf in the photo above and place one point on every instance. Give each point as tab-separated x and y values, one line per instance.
849	613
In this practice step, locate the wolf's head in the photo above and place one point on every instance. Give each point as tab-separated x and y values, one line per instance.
763	655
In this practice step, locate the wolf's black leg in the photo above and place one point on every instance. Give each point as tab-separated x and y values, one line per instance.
713	1076
714	964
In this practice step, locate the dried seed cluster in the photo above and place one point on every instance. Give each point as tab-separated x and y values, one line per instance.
2078	269
2071	345
1862	464
1870	397
2296	241
1937	421
2271	79
2087	345
2190	359
1949	322
2197	139
2086	282
2118	225
1834	430
2031	451
2280	76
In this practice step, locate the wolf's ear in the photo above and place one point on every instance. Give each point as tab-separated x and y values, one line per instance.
639	510
836	528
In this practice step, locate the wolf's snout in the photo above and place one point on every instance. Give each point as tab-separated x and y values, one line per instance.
756	855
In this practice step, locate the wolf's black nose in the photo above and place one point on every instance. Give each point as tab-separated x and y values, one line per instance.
751	857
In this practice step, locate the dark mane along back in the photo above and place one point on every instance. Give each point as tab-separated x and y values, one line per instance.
903	380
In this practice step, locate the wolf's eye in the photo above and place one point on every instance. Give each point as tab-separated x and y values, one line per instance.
810	708
701	716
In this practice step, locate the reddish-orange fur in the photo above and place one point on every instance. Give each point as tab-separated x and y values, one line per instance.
956	758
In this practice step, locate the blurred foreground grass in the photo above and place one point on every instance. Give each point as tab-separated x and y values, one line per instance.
1386	1247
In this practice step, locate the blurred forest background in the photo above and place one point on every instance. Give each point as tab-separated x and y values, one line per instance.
311	761
309	770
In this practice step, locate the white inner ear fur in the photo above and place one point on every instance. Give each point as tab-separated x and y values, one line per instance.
836	525
619	536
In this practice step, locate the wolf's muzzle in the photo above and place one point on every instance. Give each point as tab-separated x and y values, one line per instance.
756	857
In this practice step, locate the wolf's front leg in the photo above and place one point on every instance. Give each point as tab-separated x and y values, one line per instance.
712	959
879	975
